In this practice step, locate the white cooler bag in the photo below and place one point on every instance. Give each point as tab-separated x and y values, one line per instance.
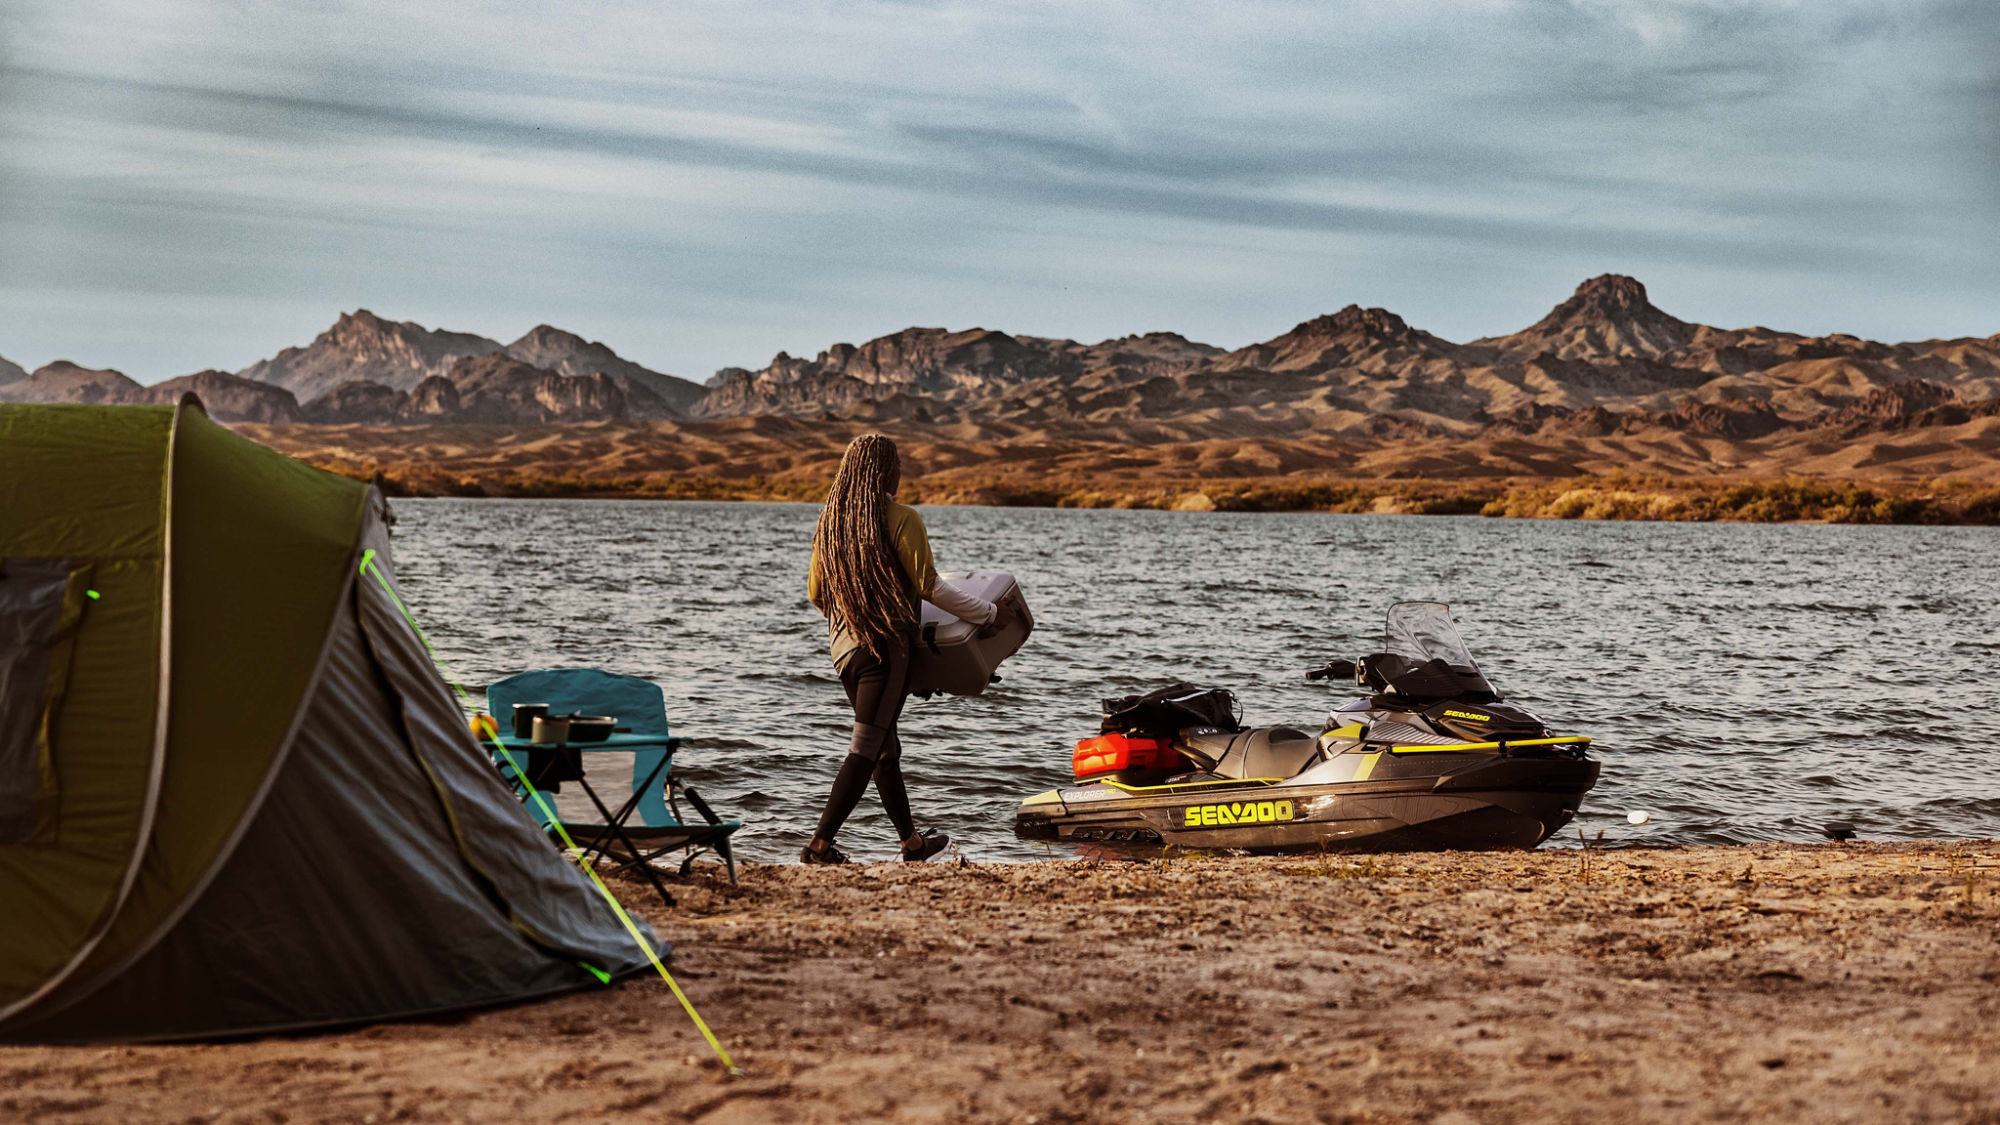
958	657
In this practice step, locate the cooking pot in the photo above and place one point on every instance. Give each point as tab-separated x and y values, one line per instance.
591	728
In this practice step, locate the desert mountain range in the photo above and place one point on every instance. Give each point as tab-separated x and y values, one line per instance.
1605	381
368	370
1606	347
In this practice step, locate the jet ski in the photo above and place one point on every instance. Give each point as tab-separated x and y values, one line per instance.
1431	759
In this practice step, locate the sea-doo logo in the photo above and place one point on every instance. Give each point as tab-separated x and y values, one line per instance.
1468	715
1237	812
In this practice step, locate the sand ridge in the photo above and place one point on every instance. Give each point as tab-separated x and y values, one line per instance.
1948	473
612	454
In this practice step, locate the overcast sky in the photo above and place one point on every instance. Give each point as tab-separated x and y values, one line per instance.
193	184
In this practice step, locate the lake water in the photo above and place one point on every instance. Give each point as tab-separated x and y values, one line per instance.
1743	682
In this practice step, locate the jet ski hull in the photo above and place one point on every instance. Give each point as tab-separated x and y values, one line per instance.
1462	802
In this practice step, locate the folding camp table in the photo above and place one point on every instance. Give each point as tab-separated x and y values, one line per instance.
548	767
641	707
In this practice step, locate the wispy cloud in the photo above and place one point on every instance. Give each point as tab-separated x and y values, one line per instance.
193	183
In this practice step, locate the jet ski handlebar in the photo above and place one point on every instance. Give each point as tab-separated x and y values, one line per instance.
1400	676
1342	669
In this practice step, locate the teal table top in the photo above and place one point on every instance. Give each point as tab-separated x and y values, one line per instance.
615	742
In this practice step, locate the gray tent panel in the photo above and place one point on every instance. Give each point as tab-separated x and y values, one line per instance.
547	898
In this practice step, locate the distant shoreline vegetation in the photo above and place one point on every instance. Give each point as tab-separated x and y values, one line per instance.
1608	497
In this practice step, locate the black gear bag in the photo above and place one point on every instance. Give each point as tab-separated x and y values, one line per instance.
1172	709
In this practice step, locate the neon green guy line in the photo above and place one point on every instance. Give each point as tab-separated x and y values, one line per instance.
368	567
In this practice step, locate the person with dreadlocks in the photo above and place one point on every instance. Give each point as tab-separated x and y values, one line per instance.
871	563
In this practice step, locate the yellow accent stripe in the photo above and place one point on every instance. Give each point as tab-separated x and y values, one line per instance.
1052	797
1351	730
1367	767
521	775
1191	784
1569	740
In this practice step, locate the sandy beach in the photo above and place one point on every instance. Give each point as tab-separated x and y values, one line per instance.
1844	982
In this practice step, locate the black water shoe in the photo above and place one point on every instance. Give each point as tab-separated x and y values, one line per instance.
935	841
830	855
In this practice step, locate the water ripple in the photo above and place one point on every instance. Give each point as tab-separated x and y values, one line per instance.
1744	682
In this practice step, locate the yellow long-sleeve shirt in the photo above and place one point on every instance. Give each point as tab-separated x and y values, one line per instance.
912	544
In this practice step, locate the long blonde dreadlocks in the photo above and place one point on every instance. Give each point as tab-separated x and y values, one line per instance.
864	584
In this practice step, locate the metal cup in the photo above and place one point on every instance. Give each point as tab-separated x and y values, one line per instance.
550	731
525	715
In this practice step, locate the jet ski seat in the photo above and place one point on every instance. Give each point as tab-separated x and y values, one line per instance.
1263	752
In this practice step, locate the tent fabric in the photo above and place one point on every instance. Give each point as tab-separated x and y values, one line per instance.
320	848
89	484
547	900
347	899
261	548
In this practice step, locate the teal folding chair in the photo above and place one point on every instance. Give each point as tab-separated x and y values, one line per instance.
640	707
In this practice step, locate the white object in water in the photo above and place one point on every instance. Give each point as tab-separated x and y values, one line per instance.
1638	816
957	657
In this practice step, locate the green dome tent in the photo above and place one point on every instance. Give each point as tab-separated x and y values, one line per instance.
235	794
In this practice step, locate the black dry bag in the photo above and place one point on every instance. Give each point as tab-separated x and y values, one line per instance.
1172	709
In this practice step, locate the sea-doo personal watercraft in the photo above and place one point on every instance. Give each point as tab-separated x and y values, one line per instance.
1432	759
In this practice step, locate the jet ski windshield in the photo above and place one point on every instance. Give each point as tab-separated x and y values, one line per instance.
1421	631
1423	657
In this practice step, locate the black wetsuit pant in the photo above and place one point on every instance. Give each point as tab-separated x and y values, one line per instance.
877	687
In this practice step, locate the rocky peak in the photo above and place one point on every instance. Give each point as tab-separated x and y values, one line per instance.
1158	352
362	332
1608	318
1610	299
499	389
1370	339
567	353
229	398
363	346
546	335
929	362
360	320
551	347
63	381
1379	324
1611	295
66	369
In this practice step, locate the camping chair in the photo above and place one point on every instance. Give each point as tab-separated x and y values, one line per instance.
640	707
